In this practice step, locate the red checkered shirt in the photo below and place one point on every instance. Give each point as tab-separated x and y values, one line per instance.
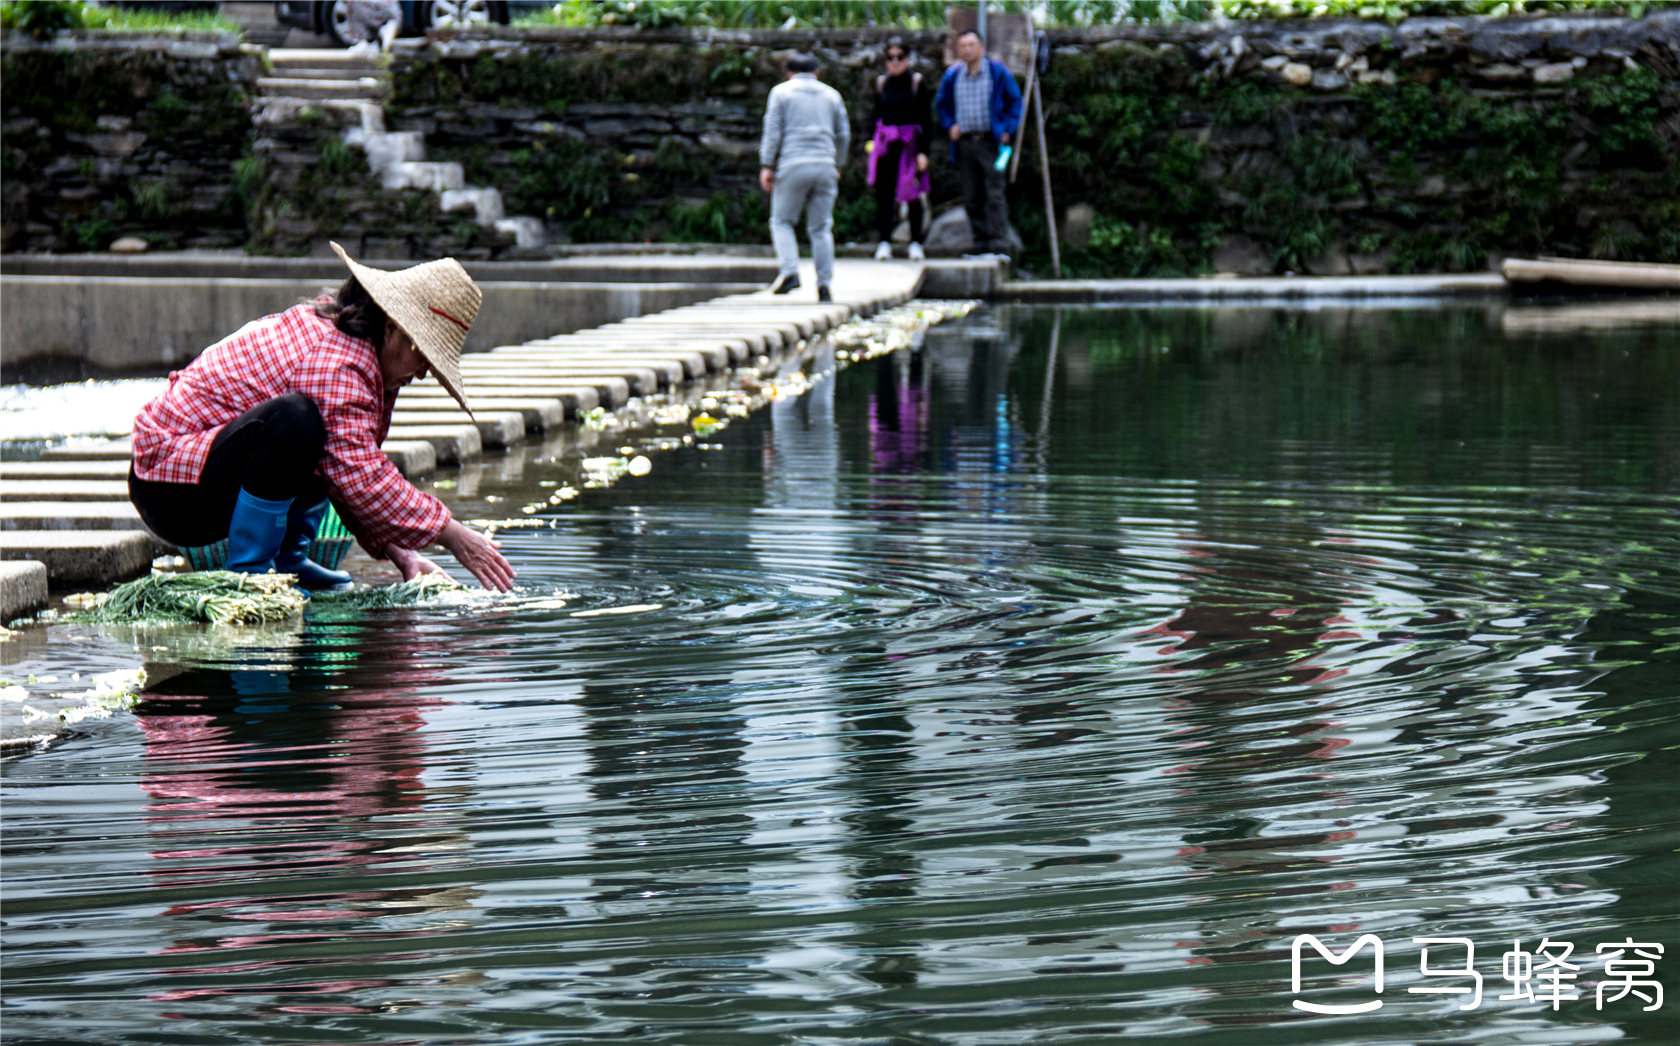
294	351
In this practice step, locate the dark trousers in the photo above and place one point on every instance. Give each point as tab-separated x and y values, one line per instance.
886	196
982	189
271	450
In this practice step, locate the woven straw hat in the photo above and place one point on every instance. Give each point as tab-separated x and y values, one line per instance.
434	304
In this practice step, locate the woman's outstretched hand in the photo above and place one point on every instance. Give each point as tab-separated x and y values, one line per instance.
411	563
479	555
474	551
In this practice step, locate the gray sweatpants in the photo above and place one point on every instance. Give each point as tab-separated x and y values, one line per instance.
810	187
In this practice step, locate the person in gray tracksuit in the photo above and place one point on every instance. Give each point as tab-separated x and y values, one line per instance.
806	134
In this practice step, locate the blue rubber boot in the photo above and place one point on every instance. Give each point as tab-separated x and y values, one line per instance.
255	532
293	557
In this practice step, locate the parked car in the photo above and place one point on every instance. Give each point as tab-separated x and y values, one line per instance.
418	16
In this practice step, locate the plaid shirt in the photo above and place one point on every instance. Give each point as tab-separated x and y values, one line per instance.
294	351
974	99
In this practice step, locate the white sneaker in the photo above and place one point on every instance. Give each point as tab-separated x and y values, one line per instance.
884	251
916	252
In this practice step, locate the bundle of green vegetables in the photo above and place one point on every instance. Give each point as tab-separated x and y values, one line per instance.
221	597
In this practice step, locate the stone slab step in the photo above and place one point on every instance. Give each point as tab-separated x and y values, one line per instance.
309	90
68	515
810	319
64	490
23	588
573	397
540	414
644	376
64	470
741	345
281	58
611	393
780	334
413	458
808	324
116	450
340	74
693	362
82	557
496	428
453	443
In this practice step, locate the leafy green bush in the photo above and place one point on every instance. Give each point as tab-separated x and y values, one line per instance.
721	219
43	18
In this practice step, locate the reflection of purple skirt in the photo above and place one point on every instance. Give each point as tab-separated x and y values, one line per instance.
911	183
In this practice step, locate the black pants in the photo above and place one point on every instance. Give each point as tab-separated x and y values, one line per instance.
886	196
982	189
270	450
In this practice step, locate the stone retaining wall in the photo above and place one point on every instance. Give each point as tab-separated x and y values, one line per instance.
111	134
1325	145
1340	146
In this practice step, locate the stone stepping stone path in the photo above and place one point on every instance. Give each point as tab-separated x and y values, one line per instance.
69	511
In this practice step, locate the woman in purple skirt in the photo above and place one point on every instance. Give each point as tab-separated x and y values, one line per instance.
898	157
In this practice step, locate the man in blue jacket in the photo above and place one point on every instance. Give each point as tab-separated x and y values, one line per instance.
979	106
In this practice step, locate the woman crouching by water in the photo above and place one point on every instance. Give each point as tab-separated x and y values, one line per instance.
252	438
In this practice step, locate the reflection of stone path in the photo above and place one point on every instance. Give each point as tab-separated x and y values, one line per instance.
70	510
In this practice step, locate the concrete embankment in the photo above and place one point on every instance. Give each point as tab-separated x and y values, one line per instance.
124	325
1250	290
71	316
230	265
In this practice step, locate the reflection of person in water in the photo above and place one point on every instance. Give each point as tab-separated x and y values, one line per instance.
263	774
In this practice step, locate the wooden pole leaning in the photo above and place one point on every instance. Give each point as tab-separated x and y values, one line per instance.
1049	198
1026	100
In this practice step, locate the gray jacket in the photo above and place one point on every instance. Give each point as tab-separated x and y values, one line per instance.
805	122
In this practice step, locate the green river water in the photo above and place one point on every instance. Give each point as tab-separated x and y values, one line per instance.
1040	686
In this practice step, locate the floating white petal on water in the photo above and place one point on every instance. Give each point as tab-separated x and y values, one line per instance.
637	608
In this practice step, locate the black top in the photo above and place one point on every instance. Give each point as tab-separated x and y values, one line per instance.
906	99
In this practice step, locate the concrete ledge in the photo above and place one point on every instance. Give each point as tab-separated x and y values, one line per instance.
66	490
76	557
412	457
107	470
744	272
961	278
116	450
1090	292
69	515
453	443
23	588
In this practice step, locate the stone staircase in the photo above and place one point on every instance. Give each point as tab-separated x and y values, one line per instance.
356	84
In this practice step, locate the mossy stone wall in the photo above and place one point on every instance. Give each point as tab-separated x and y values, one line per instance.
112	134
1324	145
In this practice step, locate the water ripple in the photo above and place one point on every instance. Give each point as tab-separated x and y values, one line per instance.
919	745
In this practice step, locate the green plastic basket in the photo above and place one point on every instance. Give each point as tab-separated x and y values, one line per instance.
332	543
